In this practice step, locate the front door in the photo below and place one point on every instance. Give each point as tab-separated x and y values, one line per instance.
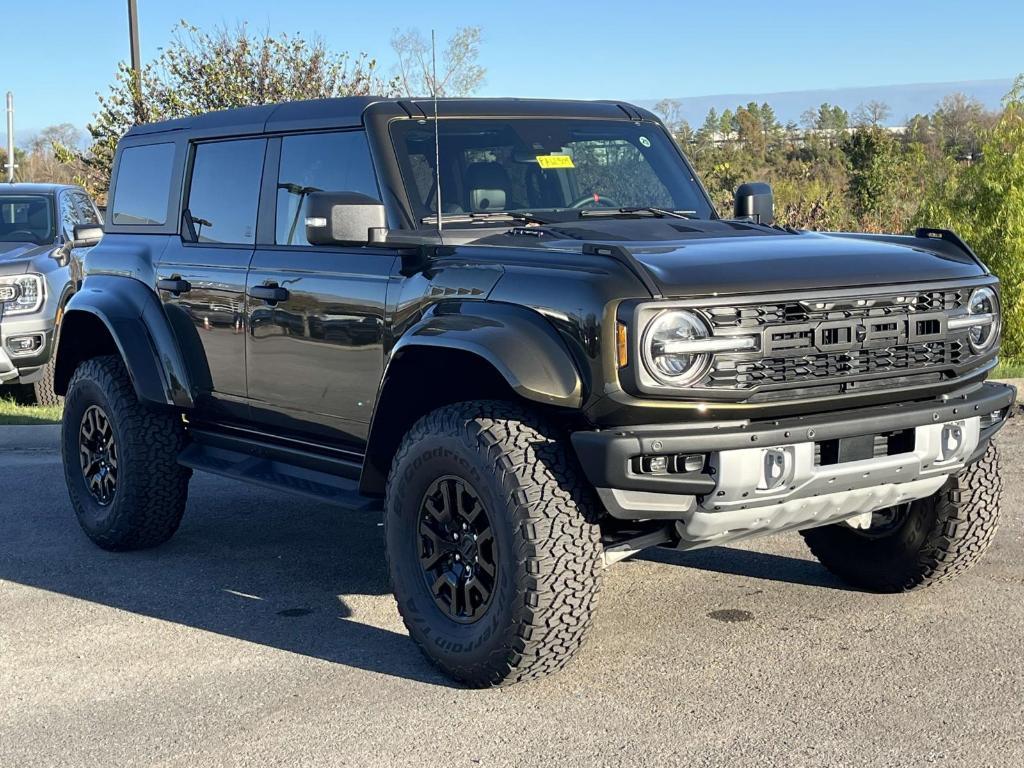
201	276
314	353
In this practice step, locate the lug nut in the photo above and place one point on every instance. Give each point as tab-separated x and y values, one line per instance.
455	537
457	558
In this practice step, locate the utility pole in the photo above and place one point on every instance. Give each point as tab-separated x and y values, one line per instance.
10	138
133	34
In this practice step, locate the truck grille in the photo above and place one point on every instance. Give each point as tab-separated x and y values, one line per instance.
760	315
821	341
798	370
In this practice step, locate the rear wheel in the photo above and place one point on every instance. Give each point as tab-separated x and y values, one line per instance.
920	543
493	548
120	460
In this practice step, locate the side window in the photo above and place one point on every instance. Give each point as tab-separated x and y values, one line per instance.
142	188
68	214
225	191
86	212
319	162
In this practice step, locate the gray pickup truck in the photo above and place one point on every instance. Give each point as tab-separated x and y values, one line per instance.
44	228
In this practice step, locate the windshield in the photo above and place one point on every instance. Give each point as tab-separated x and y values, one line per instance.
26	219
491	166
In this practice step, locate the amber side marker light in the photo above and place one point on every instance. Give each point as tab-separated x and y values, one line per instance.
620	344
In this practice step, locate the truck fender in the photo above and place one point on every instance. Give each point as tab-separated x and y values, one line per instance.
489	349
135	322
518	342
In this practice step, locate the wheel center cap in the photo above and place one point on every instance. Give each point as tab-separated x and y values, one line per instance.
467	549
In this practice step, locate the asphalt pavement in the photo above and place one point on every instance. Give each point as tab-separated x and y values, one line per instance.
264	634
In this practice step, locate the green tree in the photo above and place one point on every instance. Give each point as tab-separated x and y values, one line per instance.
984	203
202	71
458	73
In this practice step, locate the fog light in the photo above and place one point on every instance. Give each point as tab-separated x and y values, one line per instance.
655	465
24	345
952	439
692	463
991	419
776	468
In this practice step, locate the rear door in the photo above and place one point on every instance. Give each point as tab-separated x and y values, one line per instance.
314	355
201	275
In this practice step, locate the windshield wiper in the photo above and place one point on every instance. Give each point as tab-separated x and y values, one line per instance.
644	211
463	218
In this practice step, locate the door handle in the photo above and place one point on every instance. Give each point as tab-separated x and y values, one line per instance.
272	294
175	285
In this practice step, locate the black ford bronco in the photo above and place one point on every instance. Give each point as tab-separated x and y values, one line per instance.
523	326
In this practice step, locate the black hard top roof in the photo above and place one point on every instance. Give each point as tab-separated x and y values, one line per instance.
348	112
33	188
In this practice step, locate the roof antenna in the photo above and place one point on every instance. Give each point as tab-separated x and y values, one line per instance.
437	137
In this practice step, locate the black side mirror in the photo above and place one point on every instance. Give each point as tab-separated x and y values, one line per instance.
344	218
86	235
754	200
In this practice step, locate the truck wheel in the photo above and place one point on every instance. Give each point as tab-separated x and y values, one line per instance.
43	388
493	548
120	460
919	543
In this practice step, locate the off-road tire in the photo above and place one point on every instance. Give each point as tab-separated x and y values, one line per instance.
152	487
43	387
544	519
941	536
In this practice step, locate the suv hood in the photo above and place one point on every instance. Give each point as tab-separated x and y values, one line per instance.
690	258
13	253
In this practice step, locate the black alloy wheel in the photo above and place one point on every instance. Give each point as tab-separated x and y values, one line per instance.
457	549
97	453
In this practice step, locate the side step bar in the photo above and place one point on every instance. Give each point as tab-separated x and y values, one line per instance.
272	473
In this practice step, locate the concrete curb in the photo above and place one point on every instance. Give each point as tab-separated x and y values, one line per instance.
39	437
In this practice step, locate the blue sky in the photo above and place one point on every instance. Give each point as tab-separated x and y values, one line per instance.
64	51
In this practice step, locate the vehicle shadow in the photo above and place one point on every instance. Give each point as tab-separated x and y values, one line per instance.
745	562
250	564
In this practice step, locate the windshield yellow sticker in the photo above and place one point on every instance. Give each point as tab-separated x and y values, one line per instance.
555	161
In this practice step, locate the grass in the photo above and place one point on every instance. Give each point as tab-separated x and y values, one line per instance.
16	410
1011	368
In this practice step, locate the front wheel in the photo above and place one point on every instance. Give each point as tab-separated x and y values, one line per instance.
919	543
121	460
493	548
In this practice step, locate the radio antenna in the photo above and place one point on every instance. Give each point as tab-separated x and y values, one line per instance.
437	135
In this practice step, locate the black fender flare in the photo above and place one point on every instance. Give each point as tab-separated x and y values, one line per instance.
134	318
517	341
516	347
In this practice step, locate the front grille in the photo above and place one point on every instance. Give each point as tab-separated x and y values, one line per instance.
800	370
760	315
880	340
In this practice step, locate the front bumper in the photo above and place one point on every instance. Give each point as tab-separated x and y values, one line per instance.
723	501
24	368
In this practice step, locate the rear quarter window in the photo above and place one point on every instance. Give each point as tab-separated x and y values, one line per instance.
143	186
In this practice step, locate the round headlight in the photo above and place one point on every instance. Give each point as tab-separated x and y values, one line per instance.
662	354
985	305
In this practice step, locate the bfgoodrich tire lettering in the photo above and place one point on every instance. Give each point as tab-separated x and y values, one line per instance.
151	489
934	540
547	542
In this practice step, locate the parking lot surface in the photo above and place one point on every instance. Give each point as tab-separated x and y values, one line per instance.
264	634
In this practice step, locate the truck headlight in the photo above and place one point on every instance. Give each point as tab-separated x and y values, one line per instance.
21	294
981	320
984	309
678	347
